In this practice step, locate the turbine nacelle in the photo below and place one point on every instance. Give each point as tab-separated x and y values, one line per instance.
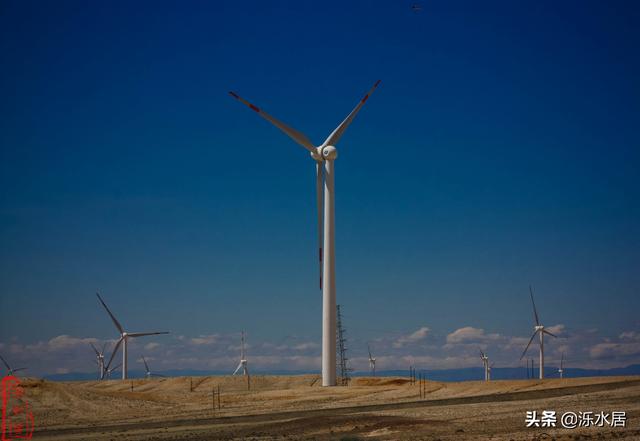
324	153
538	328
329	153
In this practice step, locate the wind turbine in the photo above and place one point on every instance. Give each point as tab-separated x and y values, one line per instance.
108	372
485	363
537	329
148	372
561	370
489	371
11	371
372	362
100	359
243	360
324	156
124	337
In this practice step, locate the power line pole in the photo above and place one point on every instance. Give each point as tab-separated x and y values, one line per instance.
342	350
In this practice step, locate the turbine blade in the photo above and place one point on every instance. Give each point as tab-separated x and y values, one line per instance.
115	321
113	354
528	344
104	346
5	363
20	369
562	361
237	369
549	333
535	312
142	334
320	206
338	132
298	137
146	366
94	349
369	349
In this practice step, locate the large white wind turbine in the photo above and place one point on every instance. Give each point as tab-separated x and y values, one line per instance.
243	359
10	370
372	362
324	155
537	329
124	337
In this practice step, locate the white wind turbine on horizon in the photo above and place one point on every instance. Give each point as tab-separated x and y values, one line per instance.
100	359
537	329
124	337
485	363
372	362
324	156
243	359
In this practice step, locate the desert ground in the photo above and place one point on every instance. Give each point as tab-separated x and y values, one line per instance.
297	407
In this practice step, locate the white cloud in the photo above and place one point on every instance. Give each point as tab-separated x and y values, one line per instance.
415	337
469	334
305	346
151	346
204	339
68	342
556	329
612	350
630	335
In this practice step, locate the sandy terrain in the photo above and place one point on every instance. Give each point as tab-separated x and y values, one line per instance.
296	407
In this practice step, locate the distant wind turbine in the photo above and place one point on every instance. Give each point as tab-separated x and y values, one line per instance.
561	370
372	362
124	337
324	156
108	371
10	370
537	329
485	363
100	359
148	373
243	359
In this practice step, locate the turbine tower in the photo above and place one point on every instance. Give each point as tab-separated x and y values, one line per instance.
324	156
485	363
537	329
100	359
11	371
489	371
243	359
124	337
561	370
372	362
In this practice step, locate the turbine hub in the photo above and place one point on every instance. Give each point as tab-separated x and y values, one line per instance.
329	153
539	328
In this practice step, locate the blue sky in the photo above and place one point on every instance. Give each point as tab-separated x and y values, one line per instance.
501	149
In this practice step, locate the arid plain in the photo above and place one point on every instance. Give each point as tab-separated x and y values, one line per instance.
296	407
